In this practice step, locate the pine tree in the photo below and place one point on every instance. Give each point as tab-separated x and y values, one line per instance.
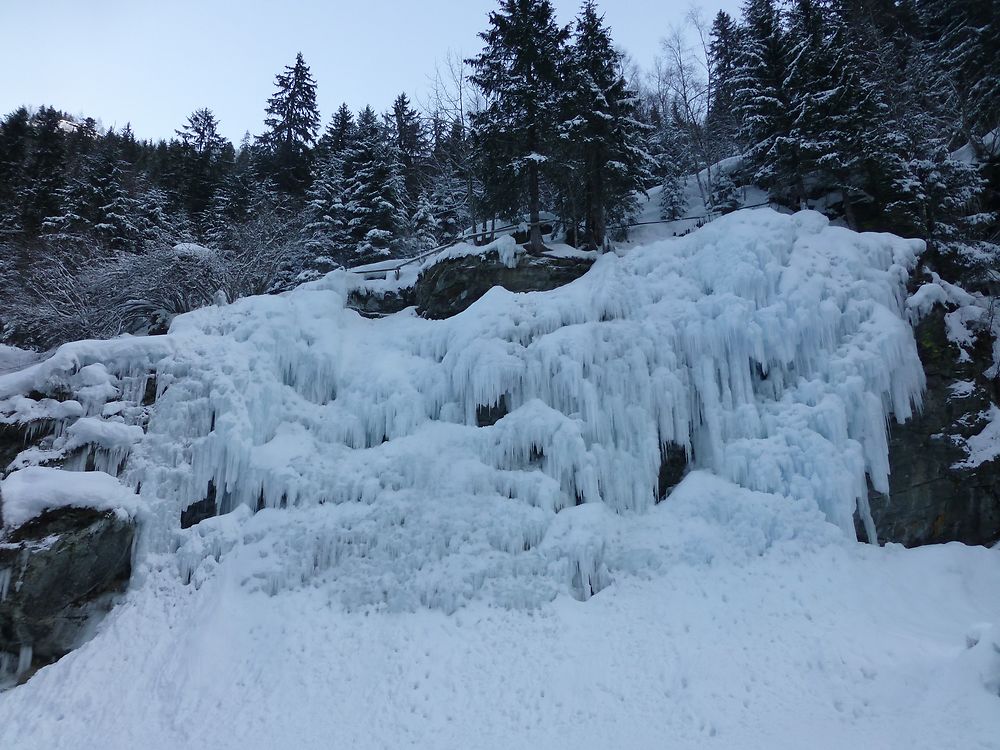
95	204
375	219
408	137
723	196
452	177
762	104
204	156
965	39
15	133
292	125
339	134
325	229
601	131
44	170
724	48
201	134
425	227
519	73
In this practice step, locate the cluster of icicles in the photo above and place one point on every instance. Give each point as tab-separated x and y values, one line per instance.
771	348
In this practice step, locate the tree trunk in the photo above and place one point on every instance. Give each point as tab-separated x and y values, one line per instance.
535	246
598	228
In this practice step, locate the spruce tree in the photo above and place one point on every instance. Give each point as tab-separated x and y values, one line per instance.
202	167
965	39
519	73
601	131
96	205
14	138
408	137
44	171
292	125
339	134
724	47
373	195
762	104
325	221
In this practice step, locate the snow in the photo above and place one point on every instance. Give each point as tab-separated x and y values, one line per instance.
821	646
386	573
922	301
987	146
984	446
12	358
29	492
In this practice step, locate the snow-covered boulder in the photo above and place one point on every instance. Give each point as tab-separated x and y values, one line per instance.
461	277
58	573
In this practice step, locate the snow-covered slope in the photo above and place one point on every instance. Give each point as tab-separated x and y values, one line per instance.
413	579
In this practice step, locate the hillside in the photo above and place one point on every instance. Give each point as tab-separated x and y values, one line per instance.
391	568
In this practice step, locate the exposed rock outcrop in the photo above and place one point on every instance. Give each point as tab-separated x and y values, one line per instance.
674	461
452	285
56	573
932	498
375	304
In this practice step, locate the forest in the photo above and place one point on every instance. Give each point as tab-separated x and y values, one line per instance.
883	114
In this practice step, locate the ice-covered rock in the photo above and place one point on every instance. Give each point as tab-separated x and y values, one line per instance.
454	281
405	462
57	574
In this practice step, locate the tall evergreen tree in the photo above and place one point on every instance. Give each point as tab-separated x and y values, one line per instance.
965	38
44	170
339	134
292	125
601	129
761	96
373	196
519	73
203	165
96	205
15	130
325	220
410	140
724	47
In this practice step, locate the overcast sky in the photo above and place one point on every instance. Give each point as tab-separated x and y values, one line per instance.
152	62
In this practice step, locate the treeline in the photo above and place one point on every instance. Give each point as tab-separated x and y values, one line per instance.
851	106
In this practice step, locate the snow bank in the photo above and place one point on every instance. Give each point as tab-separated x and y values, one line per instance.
12	358
29	492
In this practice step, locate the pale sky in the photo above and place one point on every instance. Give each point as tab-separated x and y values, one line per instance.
151	63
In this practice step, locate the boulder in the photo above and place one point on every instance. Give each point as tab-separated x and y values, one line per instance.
57	573
452	285
375	304
931	500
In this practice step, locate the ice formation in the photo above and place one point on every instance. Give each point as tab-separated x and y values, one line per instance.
345	451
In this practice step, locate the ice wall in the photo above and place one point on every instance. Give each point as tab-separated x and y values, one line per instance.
772	347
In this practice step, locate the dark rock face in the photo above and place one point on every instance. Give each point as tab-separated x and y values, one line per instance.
929	500
14	438
377	304
56	573
488	415
198	511
673	467
449	287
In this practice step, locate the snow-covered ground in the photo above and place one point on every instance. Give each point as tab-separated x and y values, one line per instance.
414	580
